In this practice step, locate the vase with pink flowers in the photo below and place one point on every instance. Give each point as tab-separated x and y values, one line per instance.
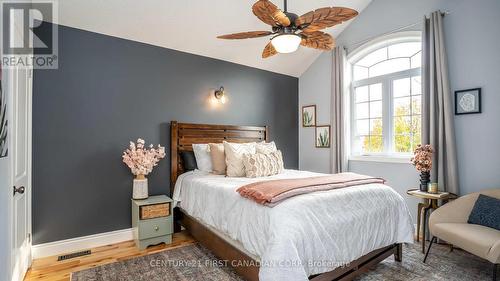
141	160
422	160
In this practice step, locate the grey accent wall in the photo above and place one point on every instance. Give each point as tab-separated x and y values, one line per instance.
473	62
108	91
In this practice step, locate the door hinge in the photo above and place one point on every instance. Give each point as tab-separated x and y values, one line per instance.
29	237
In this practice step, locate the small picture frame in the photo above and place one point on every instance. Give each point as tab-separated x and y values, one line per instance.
322	135
468	101
309	116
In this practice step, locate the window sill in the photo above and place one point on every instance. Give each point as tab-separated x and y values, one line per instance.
381	159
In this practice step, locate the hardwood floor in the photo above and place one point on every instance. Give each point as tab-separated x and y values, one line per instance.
50	269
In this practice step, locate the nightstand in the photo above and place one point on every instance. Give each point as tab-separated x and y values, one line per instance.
152	221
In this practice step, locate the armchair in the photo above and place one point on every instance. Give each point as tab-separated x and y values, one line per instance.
449	223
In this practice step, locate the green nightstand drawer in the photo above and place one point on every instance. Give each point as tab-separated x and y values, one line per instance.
155	227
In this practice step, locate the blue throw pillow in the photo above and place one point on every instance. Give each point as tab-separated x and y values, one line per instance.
486	212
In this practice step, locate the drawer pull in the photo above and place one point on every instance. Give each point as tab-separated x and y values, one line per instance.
156	228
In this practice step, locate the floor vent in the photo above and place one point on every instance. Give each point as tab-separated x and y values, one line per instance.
73	255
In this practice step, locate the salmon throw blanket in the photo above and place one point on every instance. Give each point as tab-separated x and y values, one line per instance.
273	192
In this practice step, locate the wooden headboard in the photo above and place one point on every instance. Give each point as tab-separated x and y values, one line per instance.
183	135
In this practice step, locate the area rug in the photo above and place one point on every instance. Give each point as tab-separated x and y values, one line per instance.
194	262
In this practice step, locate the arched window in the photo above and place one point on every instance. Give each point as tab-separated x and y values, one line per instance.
386	95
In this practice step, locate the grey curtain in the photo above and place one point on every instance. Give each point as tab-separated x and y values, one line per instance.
338	111
437	112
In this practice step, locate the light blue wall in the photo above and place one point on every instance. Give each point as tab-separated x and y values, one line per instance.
316	78
473	44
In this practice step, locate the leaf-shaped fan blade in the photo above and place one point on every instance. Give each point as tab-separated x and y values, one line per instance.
324	17
269	50
270	14
318	40
245	35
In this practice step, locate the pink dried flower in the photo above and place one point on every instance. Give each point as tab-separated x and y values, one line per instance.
141	160
422	158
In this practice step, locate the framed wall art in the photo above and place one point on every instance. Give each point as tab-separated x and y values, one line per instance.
468	101
309	116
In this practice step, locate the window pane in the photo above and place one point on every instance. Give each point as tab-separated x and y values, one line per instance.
376	109
360	144
416	141
376	92
416	125
416	60
401	87
376	127
362	110
402	143
373	58
402	125
360	72
404	50
376	144
389	66
362	127
402	106
362	94
416	104
416	85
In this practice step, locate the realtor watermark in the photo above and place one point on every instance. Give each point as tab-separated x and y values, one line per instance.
29	39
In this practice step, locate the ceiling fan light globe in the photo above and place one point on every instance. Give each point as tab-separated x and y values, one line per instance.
286	43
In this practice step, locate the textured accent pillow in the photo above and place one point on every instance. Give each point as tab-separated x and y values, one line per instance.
188	160
265	147
234	157
218	158
486	212
202	155
263	165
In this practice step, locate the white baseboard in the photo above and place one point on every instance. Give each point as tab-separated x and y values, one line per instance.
81	243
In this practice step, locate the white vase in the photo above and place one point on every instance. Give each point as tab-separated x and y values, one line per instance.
140	188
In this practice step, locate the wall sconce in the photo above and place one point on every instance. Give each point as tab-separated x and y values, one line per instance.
220	95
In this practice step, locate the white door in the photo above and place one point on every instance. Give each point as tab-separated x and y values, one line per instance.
20	89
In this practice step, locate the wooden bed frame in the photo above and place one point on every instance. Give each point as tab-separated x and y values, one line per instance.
183	135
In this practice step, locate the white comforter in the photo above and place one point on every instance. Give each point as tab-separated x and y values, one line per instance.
304	235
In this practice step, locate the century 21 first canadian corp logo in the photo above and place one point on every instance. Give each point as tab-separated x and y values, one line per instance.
29	39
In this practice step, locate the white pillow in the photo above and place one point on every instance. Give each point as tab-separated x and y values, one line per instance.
265	147
203	158
234	157
263	165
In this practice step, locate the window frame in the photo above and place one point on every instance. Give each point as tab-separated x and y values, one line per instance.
388	154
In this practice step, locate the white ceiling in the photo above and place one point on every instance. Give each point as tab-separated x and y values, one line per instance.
192	26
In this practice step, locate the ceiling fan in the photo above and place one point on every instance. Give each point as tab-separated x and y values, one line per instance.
289	30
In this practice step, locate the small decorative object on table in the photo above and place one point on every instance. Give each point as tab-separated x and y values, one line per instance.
433	188
141	161
152	221
422	160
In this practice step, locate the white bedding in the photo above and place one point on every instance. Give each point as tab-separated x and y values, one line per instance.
304	235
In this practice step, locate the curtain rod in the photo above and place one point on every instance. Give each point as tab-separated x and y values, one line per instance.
390	32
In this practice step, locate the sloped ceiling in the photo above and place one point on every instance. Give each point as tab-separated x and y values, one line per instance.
192	26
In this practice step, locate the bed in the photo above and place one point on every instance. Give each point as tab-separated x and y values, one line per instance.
334	235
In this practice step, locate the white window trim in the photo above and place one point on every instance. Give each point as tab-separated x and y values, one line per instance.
387	95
